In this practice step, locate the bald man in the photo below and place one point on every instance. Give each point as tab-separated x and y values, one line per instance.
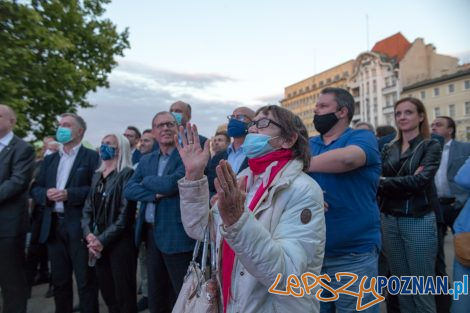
237	129
17	159
182	113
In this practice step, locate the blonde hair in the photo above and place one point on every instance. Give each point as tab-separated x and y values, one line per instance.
124	155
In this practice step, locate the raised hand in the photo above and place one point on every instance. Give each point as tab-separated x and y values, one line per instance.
231	194
194	158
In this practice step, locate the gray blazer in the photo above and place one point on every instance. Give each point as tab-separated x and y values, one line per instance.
458	154
16	170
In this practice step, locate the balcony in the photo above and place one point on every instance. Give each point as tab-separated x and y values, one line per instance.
389	89
387	110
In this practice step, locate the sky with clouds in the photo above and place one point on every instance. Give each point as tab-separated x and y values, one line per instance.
217	55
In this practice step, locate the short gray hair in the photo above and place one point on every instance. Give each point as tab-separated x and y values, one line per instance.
80	121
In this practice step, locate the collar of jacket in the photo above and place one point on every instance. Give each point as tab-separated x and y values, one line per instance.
413	143
281	181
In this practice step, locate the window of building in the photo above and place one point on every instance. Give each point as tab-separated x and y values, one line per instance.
328	80
387	101
314	86
374	86
466	84
423	95
467	108
437	112
321	83
336	77
345	74
436	92
451	88
451	110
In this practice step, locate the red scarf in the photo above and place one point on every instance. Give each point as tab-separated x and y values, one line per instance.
258	166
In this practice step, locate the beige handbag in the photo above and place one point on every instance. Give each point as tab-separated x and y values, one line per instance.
198	294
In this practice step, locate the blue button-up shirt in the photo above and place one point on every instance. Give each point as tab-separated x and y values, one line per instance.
162	162
235	158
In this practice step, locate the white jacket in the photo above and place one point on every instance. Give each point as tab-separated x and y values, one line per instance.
269	241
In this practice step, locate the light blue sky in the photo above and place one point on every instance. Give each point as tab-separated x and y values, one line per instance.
217	55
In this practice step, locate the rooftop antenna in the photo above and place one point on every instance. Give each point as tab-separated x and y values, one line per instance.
367	32
315	61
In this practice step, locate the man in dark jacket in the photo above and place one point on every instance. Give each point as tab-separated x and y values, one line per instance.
155	185
16	170
61	188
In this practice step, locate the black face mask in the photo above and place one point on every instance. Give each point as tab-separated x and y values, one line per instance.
323	123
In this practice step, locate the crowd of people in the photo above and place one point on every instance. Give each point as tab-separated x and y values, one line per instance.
278	203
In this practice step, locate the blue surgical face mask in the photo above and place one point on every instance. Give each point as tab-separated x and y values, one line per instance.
107	152
256	145
63	135
236	128
178	117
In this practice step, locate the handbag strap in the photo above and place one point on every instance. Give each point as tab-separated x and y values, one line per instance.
205	246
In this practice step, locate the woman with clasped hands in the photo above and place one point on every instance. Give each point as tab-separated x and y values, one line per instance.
268	221
107	224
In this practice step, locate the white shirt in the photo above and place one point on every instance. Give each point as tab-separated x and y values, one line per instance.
63	171
5	141
442	184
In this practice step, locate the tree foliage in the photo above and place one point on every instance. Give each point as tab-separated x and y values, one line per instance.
52	54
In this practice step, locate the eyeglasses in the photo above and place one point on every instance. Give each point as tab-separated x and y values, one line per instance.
167	124
263	123
238	117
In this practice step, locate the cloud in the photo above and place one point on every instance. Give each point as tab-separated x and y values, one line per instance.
137	93
166	77
271	99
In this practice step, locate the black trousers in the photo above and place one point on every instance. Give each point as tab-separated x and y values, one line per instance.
68	255
116	272
443	302
37	262
13	274
165	274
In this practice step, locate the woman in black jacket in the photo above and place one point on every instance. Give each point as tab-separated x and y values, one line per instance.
107	224
407	196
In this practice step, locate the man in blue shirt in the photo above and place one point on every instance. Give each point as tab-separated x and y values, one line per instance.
346	164
234	154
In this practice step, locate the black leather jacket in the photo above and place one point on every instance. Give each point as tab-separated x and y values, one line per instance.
119	214
407	182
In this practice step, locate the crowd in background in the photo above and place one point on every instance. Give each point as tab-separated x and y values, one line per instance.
352	199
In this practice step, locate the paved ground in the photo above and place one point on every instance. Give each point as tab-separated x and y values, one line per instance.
39	304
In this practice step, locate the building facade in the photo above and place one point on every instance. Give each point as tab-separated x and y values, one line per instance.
447	95
301	97
378	78
374	85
